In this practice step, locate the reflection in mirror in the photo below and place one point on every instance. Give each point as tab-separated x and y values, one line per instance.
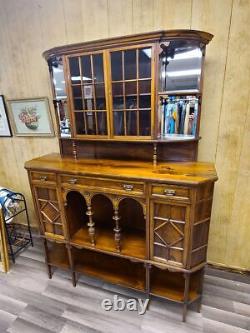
102	123
86	69
80	123
98	68
131	122
91	124
118	123
145	63
56	65
131	102
116	66
74	70
180	66
118	103
145	102
144	123
178	117
130	64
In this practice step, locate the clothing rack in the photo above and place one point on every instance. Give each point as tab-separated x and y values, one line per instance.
175	100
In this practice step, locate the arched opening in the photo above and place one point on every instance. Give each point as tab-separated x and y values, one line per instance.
76	213
103	212
133	228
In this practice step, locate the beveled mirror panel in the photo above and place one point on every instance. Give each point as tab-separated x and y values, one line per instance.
60	102
180	66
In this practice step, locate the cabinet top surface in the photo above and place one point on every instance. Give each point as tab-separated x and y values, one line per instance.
190	173
205	37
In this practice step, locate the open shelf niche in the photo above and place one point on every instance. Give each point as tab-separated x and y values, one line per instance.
171	284
132	224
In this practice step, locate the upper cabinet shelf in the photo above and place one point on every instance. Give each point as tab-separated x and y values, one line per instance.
139	87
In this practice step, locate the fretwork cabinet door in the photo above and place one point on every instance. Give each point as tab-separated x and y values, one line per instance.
169	232
48	210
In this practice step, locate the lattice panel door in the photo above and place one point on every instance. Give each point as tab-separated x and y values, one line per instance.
169	223
49	211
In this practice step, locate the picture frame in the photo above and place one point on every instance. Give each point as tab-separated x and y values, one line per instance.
5	129
4	257
31	117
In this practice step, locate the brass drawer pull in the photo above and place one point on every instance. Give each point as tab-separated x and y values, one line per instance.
72	181
128	187
43	178
169	193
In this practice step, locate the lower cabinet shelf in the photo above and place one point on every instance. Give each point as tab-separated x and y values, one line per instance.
121	271
171	285
132	243
111	269
57	255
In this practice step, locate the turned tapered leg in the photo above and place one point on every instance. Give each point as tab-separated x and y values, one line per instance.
201	290
49	269
186	296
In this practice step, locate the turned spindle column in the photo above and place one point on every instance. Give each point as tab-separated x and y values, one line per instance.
116	218
91	223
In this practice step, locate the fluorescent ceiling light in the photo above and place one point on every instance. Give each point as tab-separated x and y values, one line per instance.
189	72
196	53
57	69
147	52
78	78
59	89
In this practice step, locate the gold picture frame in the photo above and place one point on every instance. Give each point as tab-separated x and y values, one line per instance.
4	257
31	117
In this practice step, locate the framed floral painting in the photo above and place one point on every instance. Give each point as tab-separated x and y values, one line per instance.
4	121
31	117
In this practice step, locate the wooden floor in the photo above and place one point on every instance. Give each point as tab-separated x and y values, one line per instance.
30	303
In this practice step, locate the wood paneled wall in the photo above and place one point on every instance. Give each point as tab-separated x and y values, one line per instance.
27	28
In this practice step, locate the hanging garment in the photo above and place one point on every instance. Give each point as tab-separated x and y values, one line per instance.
176	118
183	117
186	119
173	117
162	116
168	115
180	108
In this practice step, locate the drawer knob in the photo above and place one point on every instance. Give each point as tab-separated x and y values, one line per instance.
128	187
169	193
43	178
73	181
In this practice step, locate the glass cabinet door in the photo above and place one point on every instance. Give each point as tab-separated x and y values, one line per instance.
131	78
88	99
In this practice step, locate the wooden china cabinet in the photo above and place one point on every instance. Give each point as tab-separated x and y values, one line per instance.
125	200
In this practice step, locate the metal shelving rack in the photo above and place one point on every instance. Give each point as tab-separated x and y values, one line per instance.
18	235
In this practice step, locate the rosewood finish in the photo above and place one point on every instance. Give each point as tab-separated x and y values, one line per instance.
125	200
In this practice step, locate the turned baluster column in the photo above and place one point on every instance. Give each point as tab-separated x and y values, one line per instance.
117	228
91	223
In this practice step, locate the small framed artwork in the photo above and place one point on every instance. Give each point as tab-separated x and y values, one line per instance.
31	117
4	121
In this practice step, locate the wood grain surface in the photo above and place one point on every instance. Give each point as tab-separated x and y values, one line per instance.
28	28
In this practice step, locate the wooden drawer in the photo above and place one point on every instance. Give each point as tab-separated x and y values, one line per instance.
43	177
120	186
171	192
